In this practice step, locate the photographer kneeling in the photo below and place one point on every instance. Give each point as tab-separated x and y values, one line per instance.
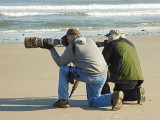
124	67
90	67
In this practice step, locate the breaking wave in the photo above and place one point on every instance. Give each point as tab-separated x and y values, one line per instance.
98	14
82	7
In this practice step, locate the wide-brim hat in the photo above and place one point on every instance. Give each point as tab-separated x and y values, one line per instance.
73	31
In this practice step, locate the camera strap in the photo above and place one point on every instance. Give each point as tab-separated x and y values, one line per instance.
73	48
70	76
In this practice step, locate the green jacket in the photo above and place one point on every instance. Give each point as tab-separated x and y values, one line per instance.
123	62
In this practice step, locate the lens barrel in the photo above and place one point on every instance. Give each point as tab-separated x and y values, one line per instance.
34	42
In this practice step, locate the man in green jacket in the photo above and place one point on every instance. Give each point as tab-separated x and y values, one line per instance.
124	67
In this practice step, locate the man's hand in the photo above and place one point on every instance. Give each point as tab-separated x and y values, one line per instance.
47	46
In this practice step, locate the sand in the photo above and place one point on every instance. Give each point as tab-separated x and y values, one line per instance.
29	86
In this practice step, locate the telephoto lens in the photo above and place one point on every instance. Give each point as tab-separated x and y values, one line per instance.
34	42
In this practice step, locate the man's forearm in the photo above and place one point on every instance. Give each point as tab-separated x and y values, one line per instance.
55	56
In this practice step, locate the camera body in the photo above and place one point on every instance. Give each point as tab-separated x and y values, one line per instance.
35	42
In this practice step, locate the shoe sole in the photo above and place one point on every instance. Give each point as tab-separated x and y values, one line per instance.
143	98
66	106
56	105
118	101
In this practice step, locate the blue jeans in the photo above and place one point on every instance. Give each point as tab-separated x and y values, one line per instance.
94	86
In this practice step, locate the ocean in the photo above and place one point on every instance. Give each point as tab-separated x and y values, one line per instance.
94	18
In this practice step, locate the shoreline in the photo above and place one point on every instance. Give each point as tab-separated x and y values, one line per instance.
96	39
94	34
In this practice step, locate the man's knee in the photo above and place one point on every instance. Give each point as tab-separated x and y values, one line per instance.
134	94
64	69
131	95
131	91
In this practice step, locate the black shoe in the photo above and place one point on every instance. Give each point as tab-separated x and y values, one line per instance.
61	104
116	100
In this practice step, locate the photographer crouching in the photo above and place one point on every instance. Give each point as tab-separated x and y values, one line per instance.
90	67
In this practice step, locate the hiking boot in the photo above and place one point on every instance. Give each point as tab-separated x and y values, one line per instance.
142	97
116	100
61	104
